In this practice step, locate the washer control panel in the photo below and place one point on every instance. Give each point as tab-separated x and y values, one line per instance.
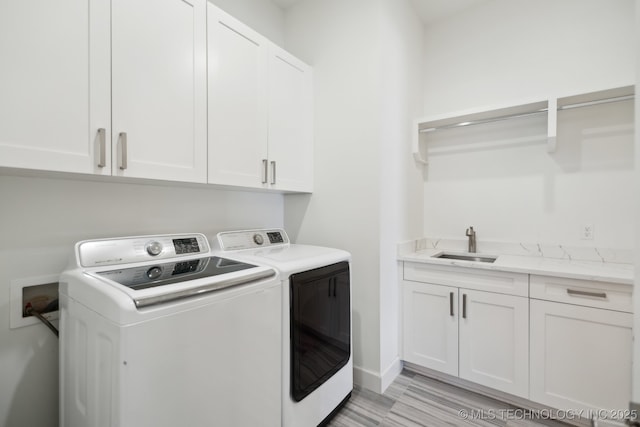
93	253
154	248
251	239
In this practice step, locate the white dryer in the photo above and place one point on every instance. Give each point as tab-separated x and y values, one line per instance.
155	331
317	370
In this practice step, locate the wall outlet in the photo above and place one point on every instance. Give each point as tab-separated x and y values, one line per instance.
586	232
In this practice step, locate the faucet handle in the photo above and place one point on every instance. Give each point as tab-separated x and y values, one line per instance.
470	232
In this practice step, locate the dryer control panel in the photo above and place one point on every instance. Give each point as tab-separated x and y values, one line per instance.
251	239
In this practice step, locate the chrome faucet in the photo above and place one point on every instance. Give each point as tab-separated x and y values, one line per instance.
472	239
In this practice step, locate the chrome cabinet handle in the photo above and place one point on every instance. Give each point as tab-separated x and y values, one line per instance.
273	172
574	292
102	159
451	303
265	171
122	142
464	306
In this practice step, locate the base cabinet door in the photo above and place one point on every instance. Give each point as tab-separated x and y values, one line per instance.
580	356
494	341
430	326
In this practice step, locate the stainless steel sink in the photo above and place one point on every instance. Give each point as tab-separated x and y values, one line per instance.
466	257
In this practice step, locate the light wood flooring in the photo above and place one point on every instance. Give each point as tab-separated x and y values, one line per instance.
414	400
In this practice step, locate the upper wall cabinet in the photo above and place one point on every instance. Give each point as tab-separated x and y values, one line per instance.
68	66
290	122
54	85
260	110
237	101
159	89
116	87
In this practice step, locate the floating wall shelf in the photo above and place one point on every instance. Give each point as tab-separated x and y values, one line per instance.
549	107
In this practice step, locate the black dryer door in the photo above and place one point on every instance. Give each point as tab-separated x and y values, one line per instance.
320	308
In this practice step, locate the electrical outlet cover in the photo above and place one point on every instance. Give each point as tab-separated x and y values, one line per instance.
18	293
586	232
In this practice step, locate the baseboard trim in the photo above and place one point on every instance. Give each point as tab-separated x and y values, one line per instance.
390	374
374	381
367	379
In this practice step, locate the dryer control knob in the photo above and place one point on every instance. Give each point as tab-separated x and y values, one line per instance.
258	239
154	248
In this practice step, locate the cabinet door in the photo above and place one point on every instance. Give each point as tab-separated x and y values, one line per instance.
494	341
54	85
237	76
159	89
430	326
580	356
290	122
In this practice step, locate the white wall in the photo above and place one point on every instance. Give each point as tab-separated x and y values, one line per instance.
366	59
506	50
339	39
400	180
499	177
42	219
262	15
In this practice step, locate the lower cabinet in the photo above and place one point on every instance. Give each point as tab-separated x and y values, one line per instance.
580	354
564	343
479	336
494	341
430	325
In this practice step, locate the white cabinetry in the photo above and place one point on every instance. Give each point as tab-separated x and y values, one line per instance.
260	110
560	342
54	85
238	124
580	344
430	326
68	67
120	88
453	325
494	341
290	122
159	89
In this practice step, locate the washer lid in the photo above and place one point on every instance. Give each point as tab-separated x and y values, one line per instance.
150	276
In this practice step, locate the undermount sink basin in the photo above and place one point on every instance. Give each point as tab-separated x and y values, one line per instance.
466	257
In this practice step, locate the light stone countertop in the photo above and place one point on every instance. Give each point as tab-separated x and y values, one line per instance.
569	268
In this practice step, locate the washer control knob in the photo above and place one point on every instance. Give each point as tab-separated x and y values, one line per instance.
154	248
258	239
154	272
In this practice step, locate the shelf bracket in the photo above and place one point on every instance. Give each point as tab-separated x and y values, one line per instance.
552	125
417	155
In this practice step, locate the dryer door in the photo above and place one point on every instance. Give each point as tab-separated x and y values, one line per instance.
320	326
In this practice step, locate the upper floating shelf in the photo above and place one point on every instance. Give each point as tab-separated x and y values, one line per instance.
549	107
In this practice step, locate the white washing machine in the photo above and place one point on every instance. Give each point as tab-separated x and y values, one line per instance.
317	370
155	331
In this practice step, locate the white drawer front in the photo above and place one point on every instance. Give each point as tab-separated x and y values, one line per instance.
611	296
468	278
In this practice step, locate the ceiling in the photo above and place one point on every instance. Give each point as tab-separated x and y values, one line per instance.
436	10
429	10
